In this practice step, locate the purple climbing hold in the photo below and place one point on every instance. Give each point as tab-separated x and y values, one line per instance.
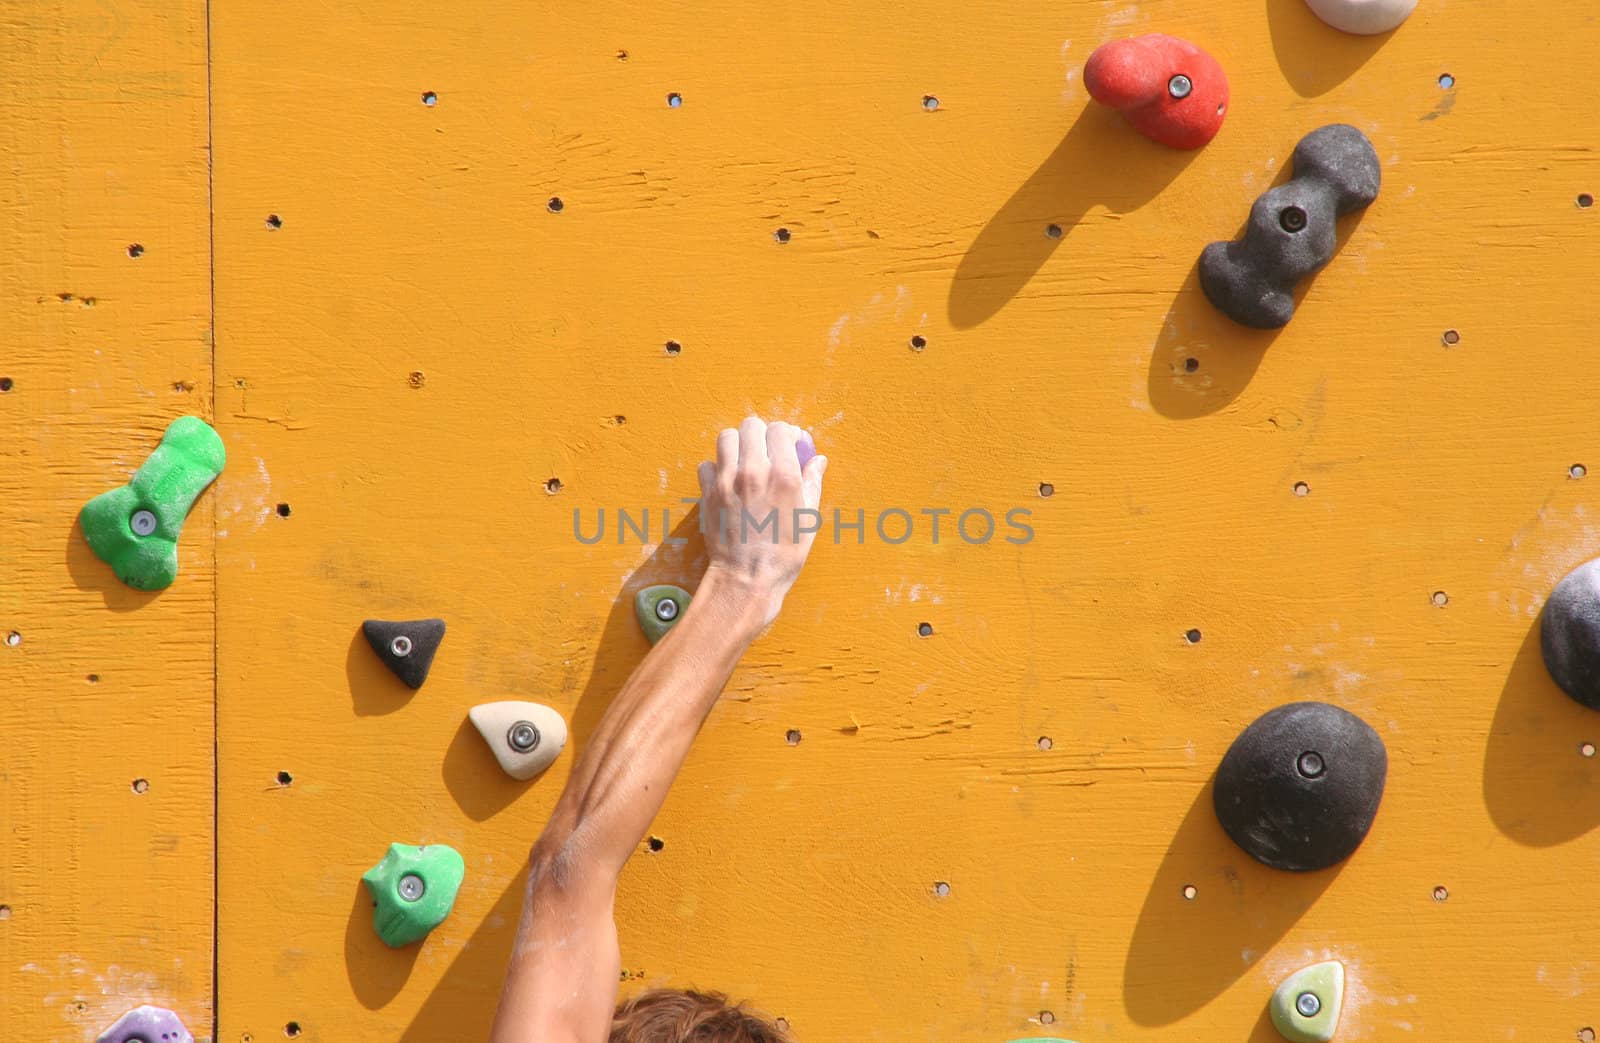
146	1024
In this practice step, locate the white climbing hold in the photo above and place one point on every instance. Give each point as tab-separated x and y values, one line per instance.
1363	17
526	737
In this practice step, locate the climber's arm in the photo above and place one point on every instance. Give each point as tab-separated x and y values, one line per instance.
562	985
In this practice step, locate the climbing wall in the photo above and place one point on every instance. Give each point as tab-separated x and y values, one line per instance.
106	693
480	268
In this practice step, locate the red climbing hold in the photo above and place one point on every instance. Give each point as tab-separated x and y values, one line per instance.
1169	89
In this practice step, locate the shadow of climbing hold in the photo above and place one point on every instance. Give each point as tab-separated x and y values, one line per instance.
135	529
1299	788
526	737
1305	1008
1171	91
414	889
1291	230
405	648
1569	634
146	1024
658	608
1363	17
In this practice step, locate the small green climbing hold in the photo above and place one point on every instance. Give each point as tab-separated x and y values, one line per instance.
658	608
1305	1008
414	889
135	529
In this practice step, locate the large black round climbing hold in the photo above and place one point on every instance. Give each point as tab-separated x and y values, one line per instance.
1569	634
1299	788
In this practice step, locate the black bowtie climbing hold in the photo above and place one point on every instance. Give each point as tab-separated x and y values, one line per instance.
405	648
1299	788
1291	230
1569	634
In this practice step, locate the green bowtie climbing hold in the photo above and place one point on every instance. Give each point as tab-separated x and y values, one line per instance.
135	529
658	608
414	889
1305	1008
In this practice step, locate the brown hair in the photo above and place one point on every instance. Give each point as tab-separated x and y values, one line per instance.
686	1016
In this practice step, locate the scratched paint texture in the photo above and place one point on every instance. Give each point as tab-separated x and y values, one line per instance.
422	346
107	893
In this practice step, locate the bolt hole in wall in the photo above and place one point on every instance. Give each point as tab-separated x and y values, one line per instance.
6	384
792	736
552	486
1441	893
656	843
1190	892
1446	81
430	98
416	378
1046	743
1046	489
1586	750
93	679
924	629
284	778
5	912
929	102
783	1024
292	1029
141	786
1585	200
555	206
1302	489
274	222
1052	231
918	342
135	250
1586	1035
1047	1017
674	100
1191	364
1439	598
941	889
1577	471
673	347
13	639
1451	338
782	235
1192	635
283	510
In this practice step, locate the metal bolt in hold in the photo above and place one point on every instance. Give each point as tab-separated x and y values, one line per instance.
1311	764
1293	219
401	646
523	736
1308	1004
411	887
666	610
1180	86
143	523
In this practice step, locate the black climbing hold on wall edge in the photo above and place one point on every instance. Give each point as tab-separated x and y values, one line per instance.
1569	634
1291	230
1299	788
405	648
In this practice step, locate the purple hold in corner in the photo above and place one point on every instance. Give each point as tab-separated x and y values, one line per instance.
805	450
146	1025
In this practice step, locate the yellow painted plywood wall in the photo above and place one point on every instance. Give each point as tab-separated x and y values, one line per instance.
106	694
424	368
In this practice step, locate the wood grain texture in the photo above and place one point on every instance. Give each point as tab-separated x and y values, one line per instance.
109	892
422	346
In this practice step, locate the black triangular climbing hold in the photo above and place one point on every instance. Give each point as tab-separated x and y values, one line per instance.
1299	788
406	648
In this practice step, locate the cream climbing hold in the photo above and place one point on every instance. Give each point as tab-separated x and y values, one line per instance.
526	737
1305	1008
1363	17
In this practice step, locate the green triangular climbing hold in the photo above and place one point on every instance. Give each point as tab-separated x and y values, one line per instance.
1305	1008
658	608
135	529
413	889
